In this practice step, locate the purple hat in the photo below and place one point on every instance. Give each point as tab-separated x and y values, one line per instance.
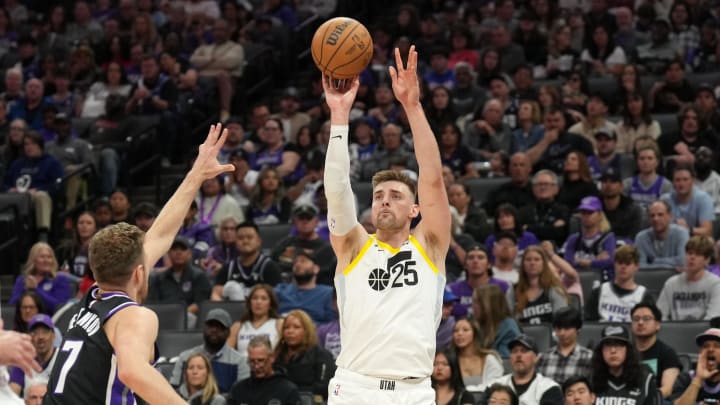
590	204
41	319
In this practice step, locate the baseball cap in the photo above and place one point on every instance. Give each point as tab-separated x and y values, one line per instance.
307	253
605	131
710	334
590	203
181	242
610	174
234	119
219	315
145	208
527	341
62	117
449	296
615	332
41	319
305	209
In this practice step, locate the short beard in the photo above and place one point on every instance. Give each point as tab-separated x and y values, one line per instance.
303	279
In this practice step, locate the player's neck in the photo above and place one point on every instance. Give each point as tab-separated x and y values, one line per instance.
393	238
107	289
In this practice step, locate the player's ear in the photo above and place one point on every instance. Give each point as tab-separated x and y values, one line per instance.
414	211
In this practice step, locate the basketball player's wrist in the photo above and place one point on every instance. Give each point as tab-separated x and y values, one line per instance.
340	118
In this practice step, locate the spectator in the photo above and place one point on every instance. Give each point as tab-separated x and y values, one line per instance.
695	293
444	334
40	274
577	180
511	54
505	252
228	365
683	32
612	301
636	122
538	292
83	27
681	147
471	219
220	62
269	203
42	330
466	96
308	365
120	206
670	95
240	183
304	293
34	393
13	146
200	234
490	67
261	318
223	253
497	326
392	148
440	73
144	215
199	385
623	214
447	382
561	57
578	391
518	191
655	55
529	131
478	271
551	151
627	36
700	386
706	102
478	365
546	217
13	85
568	358
647	185
277	153
663	243
73	153
692	208
455	154
654	353
102	210
563	270
501	90
28	305
249	268
533	388
617	371
114	81
72	253
607	157
305	221
266	384
329	332
602	56
575	95
182	283
215	204
593	246
707	180
628	83
507	220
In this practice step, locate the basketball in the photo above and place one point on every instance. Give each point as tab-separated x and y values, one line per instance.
341	48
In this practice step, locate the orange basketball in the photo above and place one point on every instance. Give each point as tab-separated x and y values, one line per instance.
341	48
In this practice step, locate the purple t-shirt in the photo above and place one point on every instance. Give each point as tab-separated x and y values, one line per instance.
329	337
463	290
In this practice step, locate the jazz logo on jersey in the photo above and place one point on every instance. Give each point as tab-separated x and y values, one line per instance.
399	272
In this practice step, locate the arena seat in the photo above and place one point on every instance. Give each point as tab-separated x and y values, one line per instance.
590	334
588	278
172	343
541	333
654	279
236	309
680	335
165	368
272	234
606	86
668	123
171	316
8	316
481	188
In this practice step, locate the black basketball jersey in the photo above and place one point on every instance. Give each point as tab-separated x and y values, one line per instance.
85	371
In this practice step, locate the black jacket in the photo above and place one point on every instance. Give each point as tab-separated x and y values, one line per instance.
260	391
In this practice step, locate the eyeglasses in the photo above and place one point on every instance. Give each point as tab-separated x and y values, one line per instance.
646	318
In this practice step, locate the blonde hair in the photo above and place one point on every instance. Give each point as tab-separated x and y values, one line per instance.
547	279
115	251
210	387
29	268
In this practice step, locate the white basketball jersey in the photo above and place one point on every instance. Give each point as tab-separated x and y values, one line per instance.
390	304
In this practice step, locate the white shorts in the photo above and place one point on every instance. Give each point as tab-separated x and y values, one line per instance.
349	388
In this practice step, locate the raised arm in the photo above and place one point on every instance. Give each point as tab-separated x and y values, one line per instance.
161	234
346	233
435	225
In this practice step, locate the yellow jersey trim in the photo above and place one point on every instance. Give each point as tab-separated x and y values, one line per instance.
359	256
423	254
386	246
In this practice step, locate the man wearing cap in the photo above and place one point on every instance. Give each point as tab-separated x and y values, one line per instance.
693	294
447	321
234	141
72	152
567	358
624	215
708	180
531	387
663	243
702	385
305	221
479	271
707	104
182	283
657	355
42	331
612	300
229	366
592	247
692	208
607	156
144	215
305	293
595	121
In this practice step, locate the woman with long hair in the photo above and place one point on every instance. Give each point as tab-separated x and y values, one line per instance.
618	373
40	274
538	292
636	122
454	153
575	91
577	180
29	305
601	55
261	317
478	364
440	109
463	49
628	82
497	325
214	204
73	253
471	219
114	81
447	381
529	130
490	67
647	185
307	364
143	32
683	33
548	97
593	247
561	57
199	386
268	201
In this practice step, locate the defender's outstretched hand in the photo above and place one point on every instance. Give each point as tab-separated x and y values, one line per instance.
206	164
340	99
405	82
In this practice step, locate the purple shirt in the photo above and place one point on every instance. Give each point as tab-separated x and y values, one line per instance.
444	334
463	290
525	240
329	337
583	249
54	291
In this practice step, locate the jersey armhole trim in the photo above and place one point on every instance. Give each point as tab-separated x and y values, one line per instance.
423	254
359	256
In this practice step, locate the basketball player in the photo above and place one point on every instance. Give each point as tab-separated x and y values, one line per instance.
106	355
390	285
